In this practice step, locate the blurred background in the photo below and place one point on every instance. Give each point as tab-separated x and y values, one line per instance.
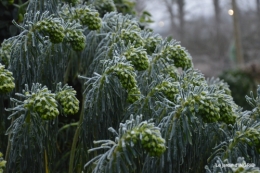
219	34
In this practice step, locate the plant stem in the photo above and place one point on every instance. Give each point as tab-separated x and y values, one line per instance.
46	162
75	138
8	148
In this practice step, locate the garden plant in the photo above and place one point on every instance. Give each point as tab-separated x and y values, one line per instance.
86	87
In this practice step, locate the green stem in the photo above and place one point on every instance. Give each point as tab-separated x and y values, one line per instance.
8	148
75	139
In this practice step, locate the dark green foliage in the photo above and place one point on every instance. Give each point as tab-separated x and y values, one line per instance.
240	84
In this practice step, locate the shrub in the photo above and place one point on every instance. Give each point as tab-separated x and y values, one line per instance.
169	117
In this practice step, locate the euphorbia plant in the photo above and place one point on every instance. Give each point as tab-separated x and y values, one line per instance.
169	117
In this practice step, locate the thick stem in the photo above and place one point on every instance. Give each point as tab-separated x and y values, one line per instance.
75	139
8	148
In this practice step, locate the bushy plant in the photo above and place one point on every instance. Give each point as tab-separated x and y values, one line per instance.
169	117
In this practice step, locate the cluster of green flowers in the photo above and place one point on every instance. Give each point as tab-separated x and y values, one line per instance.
251	136
137	57
2	163
151	43
76	39
226	111
169	89
5	53
88	17
133	95
178	54
52	28
205	106
133	37
105	6
42	102
211	107
149	137
171	71
6	80
67	98
126	75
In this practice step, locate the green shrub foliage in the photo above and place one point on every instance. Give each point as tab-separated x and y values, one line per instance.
102	70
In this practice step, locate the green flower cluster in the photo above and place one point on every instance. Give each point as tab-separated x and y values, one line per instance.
88	17
6	80
52	28
169	89
171	71
178	54
211	107
253	135
220	84
67	98
105	6
43	103
204	106
150	44
133	37
137	57
2	163
126	75
5	53
133	95
149	137
76	39
226	111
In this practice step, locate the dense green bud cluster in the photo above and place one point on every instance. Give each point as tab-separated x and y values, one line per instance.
2	163
178	54
5	53
150	44
67	98
88	17
149	137
42	102
133	95
253	135
6	80
169	89
76	39
133	37
52	28
226	111
203	105
171	71
137	57
126	75
211	107
105	6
